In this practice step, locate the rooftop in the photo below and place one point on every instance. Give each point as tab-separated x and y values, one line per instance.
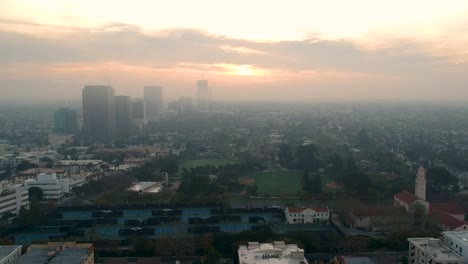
272	253
450	208
7	250
68	255
446	219
357	260
435	248
406	197
380	211
301	209
460	236
54	253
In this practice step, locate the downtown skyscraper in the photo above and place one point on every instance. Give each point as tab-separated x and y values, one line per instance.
203	96
98	110
153	98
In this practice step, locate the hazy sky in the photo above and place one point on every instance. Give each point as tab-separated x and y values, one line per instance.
273	50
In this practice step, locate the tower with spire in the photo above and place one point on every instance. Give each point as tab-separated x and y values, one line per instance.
420	186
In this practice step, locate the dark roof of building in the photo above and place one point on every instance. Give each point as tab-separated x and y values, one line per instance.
446	219
301	209
379	211
133	260
450	208
406	197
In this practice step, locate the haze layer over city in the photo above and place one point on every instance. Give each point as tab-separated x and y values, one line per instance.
250	51
233	132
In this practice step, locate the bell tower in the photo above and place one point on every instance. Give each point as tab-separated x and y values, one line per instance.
421	183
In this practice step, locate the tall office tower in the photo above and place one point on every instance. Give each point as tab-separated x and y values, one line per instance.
203	95
138	111
98	110
123	113
186	105
65	121
153	103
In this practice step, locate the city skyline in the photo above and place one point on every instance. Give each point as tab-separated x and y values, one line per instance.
332	51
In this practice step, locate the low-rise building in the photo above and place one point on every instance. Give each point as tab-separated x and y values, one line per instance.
76	166
59	252
49	184
447	222
457	241
12	198
386	218
277	252
452	209
295	215
10	254
429	250
407	199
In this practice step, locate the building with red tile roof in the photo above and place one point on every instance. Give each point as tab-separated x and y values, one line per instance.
302	215
406	199
385	218
452	209
447	222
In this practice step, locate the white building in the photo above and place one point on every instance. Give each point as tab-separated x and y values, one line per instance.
428	250
10	254
12	198
420	185
296	215
49	184
451	248
457	241
76	166
52	187
11	161
271	253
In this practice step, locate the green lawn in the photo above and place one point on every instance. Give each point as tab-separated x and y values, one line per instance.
275	183
204	162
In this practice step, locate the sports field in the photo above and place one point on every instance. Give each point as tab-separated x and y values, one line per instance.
205	162
331	186
275	183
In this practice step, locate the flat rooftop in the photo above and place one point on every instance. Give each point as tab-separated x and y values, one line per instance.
271	253
6	250
435	248
460	236
68	255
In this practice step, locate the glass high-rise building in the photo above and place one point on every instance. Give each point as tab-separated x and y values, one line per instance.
203	95
123	113
65	121
153	98
98	110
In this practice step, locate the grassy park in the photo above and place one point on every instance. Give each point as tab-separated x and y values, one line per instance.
275	183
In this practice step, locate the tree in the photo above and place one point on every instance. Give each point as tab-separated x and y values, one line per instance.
285	155
48	161
317	184
357	182
418	214
306	183
25	165
212	257
306	157
252	190
35	194
440	180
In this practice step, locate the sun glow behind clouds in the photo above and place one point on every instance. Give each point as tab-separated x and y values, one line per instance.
260	19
